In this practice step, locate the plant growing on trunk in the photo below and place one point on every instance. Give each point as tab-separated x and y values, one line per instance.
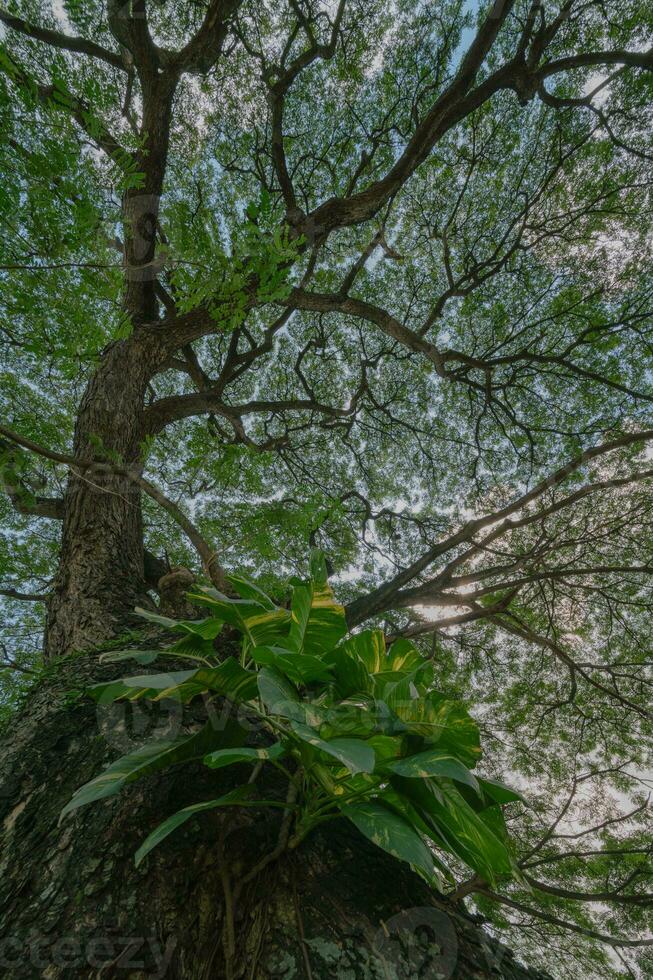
357	731
373	276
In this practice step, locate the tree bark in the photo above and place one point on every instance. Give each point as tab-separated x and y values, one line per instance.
101	577
73	905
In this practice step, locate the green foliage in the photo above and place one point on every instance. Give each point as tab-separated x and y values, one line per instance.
260	250
524	239
339	717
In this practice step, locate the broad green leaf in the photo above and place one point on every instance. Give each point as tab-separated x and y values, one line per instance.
159	682
279	696
318	568
228	678
301	668
454	822
300	610
387	681
404	655
434	762
247	589
386	747
159	620
391	833
152	757
353	753
146	657
352	716
140	656
326	622
227	757
499	792
234	798
493	817
369	647
403	806
150	686
438	720
351	674
208	629
194	646
260	624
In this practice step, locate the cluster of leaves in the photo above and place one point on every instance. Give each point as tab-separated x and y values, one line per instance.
259	246
358	731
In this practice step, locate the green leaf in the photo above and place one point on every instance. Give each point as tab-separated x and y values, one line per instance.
437	719
150	686
140	656
318	567
152	757
247	589
279	696
159	682
351	674
227	757
259	623
228	678
369	647
146	657
233	798
455	824
300	610
386	747
352	716
326	622
499	792
207	629
353	753
404	656
151	617
391	833
301	668
434	762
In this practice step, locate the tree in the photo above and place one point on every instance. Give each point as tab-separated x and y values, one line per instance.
370	276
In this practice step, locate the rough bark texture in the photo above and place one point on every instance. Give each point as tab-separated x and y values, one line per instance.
100	577
73	905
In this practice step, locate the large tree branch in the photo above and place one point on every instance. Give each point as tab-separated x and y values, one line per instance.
445	578
23	596
84	467
128	24
202	51
614	941
166	410
79	45
58	96
454	104
597	59
613	895
385	595
302	299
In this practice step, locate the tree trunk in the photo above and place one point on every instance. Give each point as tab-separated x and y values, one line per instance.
100	576
73	905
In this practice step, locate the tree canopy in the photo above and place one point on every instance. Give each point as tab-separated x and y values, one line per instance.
385	269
